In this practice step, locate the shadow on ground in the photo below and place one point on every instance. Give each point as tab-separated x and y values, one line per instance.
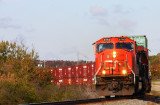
151	98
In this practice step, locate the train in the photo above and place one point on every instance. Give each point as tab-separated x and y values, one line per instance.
122	66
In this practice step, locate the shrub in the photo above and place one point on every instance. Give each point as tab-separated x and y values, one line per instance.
13	93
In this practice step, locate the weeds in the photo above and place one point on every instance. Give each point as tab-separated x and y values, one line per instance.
155	93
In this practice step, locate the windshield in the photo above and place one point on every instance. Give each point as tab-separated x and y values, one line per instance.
128	46
102	46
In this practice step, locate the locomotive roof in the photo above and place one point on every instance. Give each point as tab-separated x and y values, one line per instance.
115	39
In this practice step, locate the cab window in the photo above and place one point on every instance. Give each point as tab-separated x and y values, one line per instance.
128	46
103	46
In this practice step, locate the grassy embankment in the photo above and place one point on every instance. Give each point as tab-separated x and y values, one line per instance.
155	87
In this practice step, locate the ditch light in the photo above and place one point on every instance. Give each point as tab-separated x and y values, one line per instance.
124	72
104	72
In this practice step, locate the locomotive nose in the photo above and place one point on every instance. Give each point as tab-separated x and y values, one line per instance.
114	63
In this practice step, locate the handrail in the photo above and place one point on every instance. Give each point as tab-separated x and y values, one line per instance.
131	70
98	70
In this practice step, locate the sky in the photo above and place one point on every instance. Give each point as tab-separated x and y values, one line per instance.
66	29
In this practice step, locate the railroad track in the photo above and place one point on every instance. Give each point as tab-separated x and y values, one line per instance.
150	98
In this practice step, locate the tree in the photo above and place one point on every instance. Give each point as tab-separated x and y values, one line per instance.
17	59
155	66
18	73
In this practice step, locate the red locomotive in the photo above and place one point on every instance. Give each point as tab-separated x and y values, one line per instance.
122	66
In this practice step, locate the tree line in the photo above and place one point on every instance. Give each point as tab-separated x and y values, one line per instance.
60	63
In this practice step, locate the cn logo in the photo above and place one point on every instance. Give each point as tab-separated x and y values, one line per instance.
110	64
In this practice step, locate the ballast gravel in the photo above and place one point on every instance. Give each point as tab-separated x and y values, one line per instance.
125	102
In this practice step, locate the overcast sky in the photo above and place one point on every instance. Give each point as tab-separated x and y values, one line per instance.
61	29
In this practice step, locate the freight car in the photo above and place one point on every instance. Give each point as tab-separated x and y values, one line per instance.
122	66
71	75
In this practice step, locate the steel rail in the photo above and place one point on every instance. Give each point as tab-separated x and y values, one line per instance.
155	99
69	102
87	101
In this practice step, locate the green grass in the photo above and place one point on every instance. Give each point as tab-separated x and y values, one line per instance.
156	84
157	80
155	93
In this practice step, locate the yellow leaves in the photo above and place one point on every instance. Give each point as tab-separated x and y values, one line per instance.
155	66
17	73
10	77
18	59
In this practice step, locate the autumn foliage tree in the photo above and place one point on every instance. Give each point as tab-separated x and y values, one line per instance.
16	59
17	73
155	66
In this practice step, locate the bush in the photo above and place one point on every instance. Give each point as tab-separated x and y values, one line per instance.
13	93
52	93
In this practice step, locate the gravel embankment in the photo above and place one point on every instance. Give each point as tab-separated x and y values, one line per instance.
125	102
156	86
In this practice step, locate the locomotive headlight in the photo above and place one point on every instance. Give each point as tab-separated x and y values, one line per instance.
124	72
114	54
103	72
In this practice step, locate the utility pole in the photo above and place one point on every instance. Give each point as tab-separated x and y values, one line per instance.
83	56
44	64
77	58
